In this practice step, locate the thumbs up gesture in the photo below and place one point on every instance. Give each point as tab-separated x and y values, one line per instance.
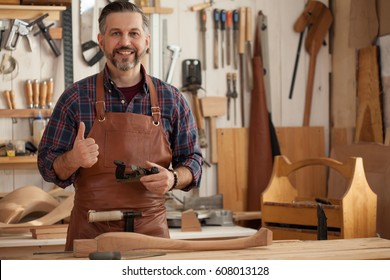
85	151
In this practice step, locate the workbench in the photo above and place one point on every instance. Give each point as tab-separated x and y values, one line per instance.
23	245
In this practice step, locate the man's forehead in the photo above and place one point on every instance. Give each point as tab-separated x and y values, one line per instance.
124	17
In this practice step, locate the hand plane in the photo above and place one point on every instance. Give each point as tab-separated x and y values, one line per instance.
133	176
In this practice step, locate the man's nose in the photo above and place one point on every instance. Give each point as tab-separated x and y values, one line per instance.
125	40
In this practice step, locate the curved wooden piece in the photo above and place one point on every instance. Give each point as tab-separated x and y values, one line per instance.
126	241
23	201
59	213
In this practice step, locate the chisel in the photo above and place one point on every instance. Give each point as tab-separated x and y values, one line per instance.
223	28
12	96
216	15
50	93
203	29
7	96
235	19
29	94
42	95
228	29
35	91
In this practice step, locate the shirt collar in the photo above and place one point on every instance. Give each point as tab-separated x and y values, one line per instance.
110	84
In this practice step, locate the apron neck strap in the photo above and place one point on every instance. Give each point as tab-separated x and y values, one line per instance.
100	104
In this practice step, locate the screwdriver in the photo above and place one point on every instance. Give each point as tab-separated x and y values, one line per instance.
223	28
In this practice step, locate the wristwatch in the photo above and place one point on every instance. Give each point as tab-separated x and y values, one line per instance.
175	179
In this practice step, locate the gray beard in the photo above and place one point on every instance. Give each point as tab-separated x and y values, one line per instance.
124	64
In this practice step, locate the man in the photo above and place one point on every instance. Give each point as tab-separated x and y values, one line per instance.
120	114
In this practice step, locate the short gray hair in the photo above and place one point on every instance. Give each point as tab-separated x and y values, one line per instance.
121	6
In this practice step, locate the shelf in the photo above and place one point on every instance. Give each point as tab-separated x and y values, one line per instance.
30	12
24	113
19	162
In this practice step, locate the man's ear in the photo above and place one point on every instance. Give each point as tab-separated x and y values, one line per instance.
100	39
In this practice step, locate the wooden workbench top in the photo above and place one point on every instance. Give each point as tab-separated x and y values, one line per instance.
341	249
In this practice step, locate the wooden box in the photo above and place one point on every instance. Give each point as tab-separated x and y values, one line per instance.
290	216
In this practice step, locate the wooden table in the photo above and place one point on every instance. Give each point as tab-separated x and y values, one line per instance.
23	245
341	249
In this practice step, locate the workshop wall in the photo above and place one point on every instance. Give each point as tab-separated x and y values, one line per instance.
182	29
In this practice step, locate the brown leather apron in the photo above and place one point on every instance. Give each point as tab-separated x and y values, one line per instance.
133	139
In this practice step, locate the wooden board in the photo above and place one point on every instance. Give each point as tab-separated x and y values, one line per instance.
342	249
233	167
369	125
383	15
298	143
343	79
363	28
376	161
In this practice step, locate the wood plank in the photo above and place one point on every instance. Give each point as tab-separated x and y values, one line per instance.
376	160
298	143
363	27
338	249
232	167
294	214
30	12
343	84
369	124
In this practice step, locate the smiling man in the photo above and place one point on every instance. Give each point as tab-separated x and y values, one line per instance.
121	114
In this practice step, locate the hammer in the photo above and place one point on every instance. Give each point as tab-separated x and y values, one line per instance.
175	55
115	215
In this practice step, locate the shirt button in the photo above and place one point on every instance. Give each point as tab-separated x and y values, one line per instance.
122	101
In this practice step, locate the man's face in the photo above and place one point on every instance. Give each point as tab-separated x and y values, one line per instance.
124	42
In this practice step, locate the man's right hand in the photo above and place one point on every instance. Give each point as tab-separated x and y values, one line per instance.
84	154
85	151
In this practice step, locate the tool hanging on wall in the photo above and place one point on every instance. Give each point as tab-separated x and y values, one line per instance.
228	36
9	65
175	55
235	21
216	18
4	25
192	81
248	49
203	29
223	29
44	30
9	96
91	51
18	28
241	51
35	93
67	41
318	19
